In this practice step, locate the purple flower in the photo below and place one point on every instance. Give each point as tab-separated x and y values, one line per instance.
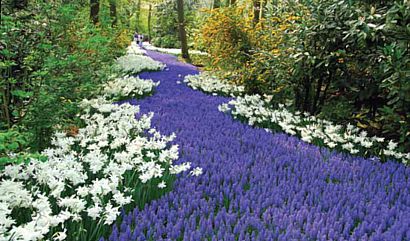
258	185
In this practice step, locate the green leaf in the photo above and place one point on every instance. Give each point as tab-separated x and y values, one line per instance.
22	93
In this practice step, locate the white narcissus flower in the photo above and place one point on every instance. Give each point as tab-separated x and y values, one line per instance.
162	185
196	171
15	194
176	169
26	232
94	212
133	48
83	191
134	64
391	145
170	50
15	172
60	236
121	199
74	203
100	187
129	86
224	107
5	220
212	84
110	214
331	144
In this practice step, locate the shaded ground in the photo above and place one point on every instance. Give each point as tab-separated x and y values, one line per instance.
261	186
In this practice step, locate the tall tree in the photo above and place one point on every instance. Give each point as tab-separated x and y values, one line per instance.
255	11
149	22
113	12
94	10
182	31
258	6
137	14
261	6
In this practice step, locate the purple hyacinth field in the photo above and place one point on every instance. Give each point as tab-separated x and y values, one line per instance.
257	185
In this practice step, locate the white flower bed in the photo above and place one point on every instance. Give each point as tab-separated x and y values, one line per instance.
212	84
135	49
129	87
256	111
134	64
87	177
170	51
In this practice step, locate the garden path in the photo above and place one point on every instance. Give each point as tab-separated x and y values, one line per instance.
257	185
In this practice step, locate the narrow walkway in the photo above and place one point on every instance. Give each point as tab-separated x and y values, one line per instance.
261	186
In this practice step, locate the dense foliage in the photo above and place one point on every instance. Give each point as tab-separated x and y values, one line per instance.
165	31
51	57
347	61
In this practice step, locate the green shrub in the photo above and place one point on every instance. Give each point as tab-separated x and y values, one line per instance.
51	58
345	60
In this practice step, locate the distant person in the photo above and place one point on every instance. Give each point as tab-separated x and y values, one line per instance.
141	40
136	38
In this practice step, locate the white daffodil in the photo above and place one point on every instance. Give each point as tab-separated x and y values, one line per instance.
162	185
196	171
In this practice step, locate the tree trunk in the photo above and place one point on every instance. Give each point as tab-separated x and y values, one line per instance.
149	22
94	10
113	12
306	98
137	15
314	108
256	11
182	32
5	107
261	6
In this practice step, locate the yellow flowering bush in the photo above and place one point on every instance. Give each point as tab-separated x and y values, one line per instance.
245	50
224	36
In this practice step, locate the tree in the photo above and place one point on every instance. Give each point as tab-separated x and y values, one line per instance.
137	14
258	6
182	31
94	10
149	22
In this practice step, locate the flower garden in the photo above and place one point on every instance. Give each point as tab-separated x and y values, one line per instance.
233	120
261	186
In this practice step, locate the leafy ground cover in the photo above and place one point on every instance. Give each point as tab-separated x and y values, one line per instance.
257	185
